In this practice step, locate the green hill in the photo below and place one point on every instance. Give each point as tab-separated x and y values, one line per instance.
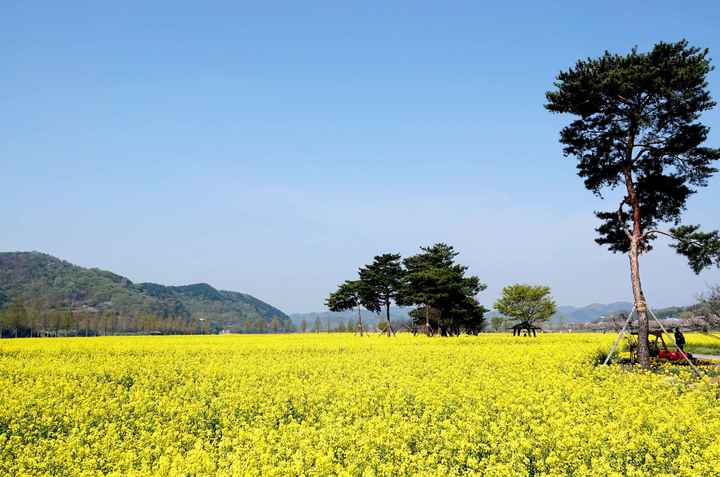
50	283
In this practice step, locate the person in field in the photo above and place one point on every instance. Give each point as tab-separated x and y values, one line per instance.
679	339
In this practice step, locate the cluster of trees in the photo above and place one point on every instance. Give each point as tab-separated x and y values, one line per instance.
17	320
256	325
431	281
705	315
637	128
341	326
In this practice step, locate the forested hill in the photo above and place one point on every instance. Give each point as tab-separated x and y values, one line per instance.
46	282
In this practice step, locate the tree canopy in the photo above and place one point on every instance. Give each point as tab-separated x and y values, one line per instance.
638	127
347	297
431	280
434	281
526	303
381	281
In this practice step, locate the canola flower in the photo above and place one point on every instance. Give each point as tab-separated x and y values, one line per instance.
340	404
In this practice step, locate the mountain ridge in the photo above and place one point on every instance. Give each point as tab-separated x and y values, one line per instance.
53	283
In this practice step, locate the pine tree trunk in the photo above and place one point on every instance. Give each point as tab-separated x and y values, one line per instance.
640	307
427	320
390	331
360	323
634	254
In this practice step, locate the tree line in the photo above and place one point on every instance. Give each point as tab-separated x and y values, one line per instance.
444	296
20	320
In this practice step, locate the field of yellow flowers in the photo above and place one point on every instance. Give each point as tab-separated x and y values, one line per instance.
319	404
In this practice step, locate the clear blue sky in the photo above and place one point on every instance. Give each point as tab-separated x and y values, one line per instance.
272	148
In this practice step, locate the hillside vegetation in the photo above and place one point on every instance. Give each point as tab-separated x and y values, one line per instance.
43	282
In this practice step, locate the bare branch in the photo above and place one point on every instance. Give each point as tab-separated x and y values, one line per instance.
655	231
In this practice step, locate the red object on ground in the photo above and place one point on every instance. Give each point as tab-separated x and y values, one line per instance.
670	355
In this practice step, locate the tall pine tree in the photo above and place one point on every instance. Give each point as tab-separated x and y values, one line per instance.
380	285
637	128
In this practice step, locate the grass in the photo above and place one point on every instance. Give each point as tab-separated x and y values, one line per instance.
706	343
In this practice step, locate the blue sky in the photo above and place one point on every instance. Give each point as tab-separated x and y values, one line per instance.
274	147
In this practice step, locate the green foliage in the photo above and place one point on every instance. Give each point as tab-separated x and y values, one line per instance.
529	303
433	279
637	126
347	296
381	282
702	249
52	284
497	323
14	318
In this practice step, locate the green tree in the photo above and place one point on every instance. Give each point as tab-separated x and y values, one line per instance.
16	317
424	317
68	321
3	323
275	324
497	323
526	303
380	285
434	281
348	296
637	127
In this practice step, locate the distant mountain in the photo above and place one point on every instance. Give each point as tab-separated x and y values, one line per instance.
583	314
51	283
586	314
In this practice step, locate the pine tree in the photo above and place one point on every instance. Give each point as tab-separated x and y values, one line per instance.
637	128
380	285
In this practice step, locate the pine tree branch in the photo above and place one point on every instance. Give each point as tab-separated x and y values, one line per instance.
667	234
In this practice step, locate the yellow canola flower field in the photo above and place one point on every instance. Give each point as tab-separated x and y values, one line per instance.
320	404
